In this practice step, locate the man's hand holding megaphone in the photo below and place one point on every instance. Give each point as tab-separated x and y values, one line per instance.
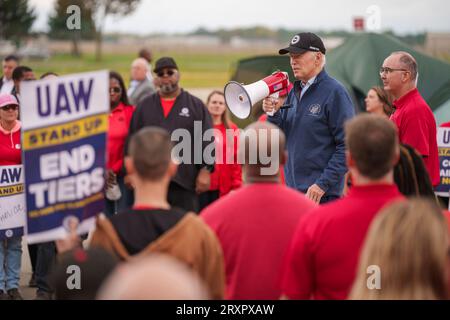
271	104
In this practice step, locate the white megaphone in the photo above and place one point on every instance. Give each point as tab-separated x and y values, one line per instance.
240	98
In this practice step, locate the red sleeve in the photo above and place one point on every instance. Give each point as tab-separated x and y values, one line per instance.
415	132
117	166
298	270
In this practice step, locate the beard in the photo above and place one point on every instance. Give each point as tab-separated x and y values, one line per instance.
168	88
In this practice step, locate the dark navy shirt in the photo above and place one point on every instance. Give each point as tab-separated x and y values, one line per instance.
314	129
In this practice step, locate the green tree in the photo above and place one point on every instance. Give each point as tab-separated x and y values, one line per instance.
101	9
58	24
16	19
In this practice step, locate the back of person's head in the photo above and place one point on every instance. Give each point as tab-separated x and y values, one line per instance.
150	153
372	143
411	175
11	57
78	274
262	150
146	54
19	72
49	75
154	277
407	249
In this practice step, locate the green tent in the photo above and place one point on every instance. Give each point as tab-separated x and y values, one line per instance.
356	64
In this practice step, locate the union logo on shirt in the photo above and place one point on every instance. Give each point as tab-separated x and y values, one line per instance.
184	112
314	109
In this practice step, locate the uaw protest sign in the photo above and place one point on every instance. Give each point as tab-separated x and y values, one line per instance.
443	140
64	123
12	202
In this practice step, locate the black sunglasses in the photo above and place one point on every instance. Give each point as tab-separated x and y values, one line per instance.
10	107
168	72
115	90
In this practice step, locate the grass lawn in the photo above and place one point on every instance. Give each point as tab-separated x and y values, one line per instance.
198	70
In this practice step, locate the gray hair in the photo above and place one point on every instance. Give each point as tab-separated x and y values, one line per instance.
409	62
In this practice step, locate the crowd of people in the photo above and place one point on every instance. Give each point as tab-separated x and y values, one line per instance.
351	194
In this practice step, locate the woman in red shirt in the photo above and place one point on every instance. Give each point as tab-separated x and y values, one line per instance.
226	176
119	122
10	154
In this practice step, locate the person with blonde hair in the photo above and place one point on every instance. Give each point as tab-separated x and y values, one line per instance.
408	245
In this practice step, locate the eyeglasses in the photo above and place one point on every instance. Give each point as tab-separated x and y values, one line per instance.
115	90
10	107
390	70
168	72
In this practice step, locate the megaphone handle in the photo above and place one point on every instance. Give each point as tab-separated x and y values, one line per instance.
274	97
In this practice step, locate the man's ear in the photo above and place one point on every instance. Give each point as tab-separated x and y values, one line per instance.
129	165
406	77
172	168
284	156
396	156
318	58
349	159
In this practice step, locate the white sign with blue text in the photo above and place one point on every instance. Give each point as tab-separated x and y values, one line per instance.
64	121
12	202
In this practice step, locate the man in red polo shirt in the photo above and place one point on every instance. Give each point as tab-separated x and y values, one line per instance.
413	117
325	249
256	222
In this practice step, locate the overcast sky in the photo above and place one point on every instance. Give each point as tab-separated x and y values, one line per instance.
402	16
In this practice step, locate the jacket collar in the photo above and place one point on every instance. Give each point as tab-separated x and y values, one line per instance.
319	77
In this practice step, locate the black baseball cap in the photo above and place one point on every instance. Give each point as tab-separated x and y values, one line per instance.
165	62
304	41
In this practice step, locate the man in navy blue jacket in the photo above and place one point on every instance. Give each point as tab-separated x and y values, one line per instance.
314	125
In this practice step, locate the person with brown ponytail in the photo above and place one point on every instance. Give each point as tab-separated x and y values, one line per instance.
379	102
226	176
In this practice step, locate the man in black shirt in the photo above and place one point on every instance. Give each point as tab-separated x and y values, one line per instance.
173	108
152	225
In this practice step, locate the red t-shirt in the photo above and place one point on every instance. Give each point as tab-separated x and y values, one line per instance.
324	252
167	105
417	127
119	123
255	225
10	147
226	176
